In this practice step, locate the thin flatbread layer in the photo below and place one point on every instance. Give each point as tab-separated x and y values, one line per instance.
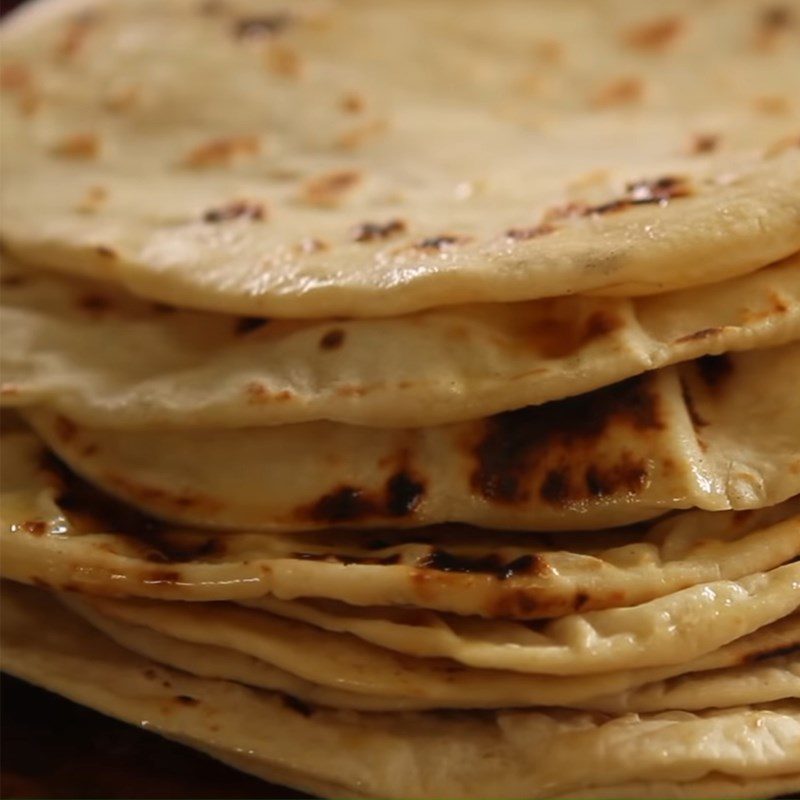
60	531
320	667
510	754
719	433
669	630
328	161
194	369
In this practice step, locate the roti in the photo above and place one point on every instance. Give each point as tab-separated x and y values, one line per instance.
719	433
312	163
191	369
60	531
516	753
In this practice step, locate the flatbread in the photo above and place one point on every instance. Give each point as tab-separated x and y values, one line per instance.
720	433
59	531
189	369
667	630
259	649
510	754
328	161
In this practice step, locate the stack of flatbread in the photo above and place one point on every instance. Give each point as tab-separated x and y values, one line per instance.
403	398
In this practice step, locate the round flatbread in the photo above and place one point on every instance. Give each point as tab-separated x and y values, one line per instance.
325	160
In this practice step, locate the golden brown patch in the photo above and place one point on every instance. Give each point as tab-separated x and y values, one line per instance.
84	145
622	91
654	36
551	51
222	152
771	25
65	429
74	37
352	103
557	337
93	199
782	145
700	143
105	251
95	303
283	60
704	333
17	79
360	134
15	76
123	99
328	190
772	104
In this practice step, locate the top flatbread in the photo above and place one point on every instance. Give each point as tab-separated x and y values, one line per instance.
368	159
193	369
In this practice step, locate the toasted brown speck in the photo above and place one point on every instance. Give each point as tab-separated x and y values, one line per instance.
328	190
703	143
283	60
95	303
361	134
65	428
352	103
35	527
618	92
12	281
522	234
440	242
123	99
245	325
105	251
222	152
773	104
85	145
298	706
332	340
74	38
369	231
93	198
237	209
655	35
269	25
186	700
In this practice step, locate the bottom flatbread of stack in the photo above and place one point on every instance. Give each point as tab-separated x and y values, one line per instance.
748	750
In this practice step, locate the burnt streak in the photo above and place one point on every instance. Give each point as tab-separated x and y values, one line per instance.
340	558
442	561
90	509
403	494
715	370
515	442
245	325
400	498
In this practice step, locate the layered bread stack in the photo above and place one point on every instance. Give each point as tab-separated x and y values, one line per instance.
402	397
